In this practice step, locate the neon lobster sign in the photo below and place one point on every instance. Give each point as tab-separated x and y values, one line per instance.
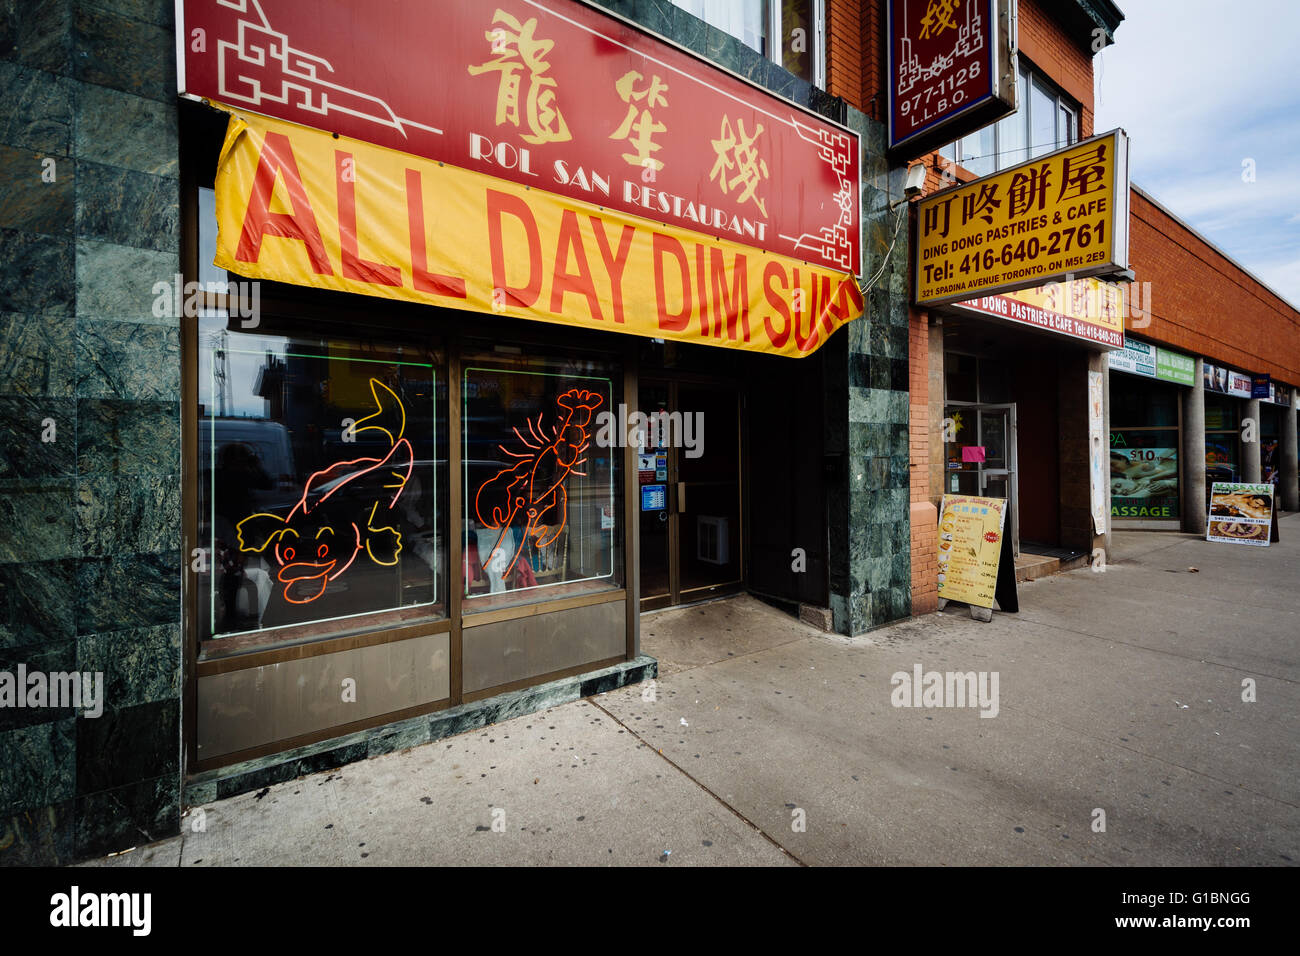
533	487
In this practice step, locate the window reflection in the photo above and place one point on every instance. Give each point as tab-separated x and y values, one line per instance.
320	477
540	492
746	20
1222	439
1012	131
798	32
1043	122
979	151
795	46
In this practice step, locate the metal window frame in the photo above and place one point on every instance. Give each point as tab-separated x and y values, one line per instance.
775	34
1059	100
202	658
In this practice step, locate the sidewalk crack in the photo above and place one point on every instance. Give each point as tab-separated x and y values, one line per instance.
686	773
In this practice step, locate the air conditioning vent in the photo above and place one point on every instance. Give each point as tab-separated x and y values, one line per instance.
713	539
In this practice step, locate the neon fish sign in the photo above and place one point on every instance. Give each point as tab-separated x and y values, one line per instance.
345	511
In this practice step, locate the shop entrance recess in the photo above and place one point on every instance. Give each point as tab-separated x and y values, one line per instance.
980	457
688	474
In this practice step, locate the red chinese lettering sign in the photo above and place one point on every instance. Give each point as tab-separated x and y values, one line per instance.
558	97
943	63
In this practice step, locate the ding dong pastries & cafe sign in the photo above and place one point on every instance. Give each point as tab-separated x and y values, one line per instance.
1087	309
1060	216
540	161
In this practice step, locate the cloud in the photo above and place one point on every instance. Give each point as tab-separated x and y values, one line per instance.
1199	93
1220	201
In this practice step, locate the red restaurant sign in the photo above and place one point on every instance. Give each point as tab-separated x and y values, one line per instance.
557	97
945	64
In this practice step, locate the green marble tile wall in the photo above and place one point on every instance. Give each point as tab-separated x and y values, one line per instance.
867	404
865	369
89	519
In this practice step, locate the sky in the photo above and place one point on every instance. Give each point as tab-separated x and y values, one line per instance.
1202	86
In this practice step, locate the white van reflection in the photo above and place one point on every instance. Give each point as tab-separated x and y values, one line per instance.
255	473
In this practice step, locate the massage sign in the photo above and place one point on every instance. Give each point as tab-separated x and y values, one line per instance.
1240	513
1143	479
566	168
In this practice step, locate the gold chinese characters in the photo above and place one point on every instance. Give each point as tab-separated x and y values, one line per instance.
645	127
516	50
737	153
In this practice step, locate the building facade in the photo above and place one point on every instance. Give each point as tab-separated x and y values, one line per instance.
1010	374
279	517
150	537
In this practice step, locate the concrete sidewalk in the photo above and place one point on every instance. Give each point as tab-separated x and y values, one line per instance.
1118	691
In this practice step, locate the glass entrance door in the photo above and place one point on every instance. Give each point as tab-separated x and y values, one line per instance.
689	485
980	457
658	530
708	491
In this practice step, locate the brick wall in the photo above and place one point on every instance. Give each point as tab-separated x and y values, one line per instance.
855	51
1065	60
844	40
1068	63
873	60
924	515
1202	303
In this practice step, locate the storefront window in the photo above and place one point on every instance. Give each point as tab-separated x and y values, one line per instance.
541	478
1222	439
960	383
209	275
1144	473
995	381
1139	402
1143	449
1270	432
968	379
322	475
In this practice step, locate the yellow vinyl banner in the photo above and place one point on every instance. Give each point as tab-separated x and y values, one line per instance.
300	206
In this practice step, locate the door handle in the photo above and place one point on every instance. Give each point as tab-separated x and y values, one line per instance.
681	497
